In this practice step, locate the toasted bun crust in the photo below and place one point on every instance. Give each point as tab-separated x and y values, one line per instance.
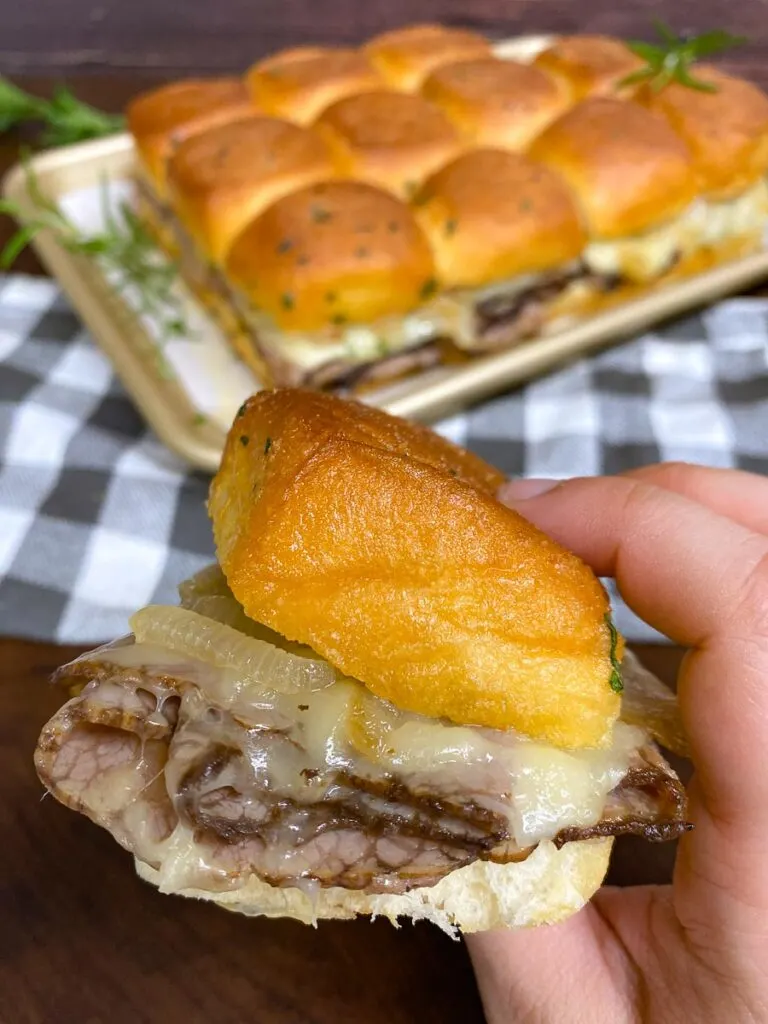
726	130
549	886
222	178
161	119
405	575
491	214
628	168
332	253
299	84
389	138
405	56
495	102
590	65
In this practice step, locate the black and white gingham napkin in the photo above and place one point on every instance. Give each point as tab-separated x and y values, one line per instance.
98	519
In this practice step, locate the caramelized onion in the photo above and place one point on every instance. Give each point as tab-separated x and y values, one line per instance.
256	661
648	703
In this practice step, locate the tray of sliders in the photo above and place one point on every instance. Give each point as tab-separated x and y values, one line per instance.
419	222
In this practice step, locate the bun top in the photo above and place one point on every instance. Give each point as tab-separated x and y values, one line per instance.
590	65
331	254
389	138
492	215
726	130
495	102
628	168
299	84
222	178
382	547
405	56
161	119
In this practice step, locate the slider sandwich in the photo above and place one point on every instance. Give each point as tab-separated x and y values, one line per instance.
495	102
726	131
405	56
299	84
392	696
589	65
508	239
635	181
330	284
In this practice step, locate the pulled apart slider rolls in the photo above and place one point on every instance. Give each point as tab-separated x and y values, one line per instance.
545	192
392	696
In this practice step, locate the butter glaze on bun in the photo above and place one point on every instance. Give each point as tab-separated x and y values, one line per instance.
492	215
162	119
459	609
335	253
390	139
405	56
726	130
590	65
628	168
221	179
299	84
497	103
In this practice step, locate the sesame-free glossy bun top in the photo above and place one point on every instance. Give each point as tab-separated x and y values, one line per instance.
405	56
330	254
497	103
161	119
627	167
220	179
383	547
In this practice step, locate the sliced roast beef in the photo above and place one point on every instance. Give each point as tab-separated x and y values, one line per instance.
181	781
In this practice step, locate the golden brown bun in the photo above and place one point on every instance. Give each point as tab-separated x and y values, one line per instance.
497	103
299	84
221	179
549	886
491	214
590	65
726	130
161	119
390	139
627	167
333	253
406	576
405	56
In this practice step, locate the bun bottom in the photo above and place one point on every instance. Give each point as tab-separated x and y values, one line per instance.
549	886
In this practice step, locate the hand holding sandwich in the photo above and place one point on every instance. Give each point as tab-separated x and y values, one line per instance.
689	549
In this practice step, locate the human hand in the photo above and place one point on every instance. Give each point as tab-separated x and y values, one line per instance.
688	547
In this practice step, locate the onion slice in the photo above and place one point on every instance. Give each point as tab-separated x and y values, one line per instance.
255	661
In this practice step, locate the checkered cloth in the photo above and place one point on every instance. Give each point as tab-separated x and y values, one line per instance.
97	518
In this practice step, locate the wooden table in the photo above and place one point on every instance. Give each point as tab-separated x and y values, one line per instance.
83	941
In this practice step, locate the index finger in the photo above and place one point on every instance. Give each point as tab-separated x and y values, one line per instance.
703	580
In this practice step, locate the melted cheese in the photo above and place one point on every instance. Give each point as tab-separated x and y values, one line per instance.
539	788
644	257
450	315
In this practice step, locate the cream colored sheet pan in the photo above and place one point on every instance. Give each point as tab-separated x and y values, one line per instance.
172	406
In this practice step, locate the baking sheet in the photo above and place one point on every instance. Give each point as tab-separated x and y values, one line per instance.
189	388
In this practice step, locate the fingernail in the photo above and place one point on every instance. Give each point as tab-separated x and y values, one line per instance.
522	490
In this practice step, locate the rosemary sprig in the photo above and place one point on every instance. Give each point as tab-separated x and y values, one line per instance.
66	119
672	58
124	249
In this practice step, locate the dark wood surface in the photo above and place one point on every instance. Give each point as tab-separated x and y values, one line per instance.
84	941
144	35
